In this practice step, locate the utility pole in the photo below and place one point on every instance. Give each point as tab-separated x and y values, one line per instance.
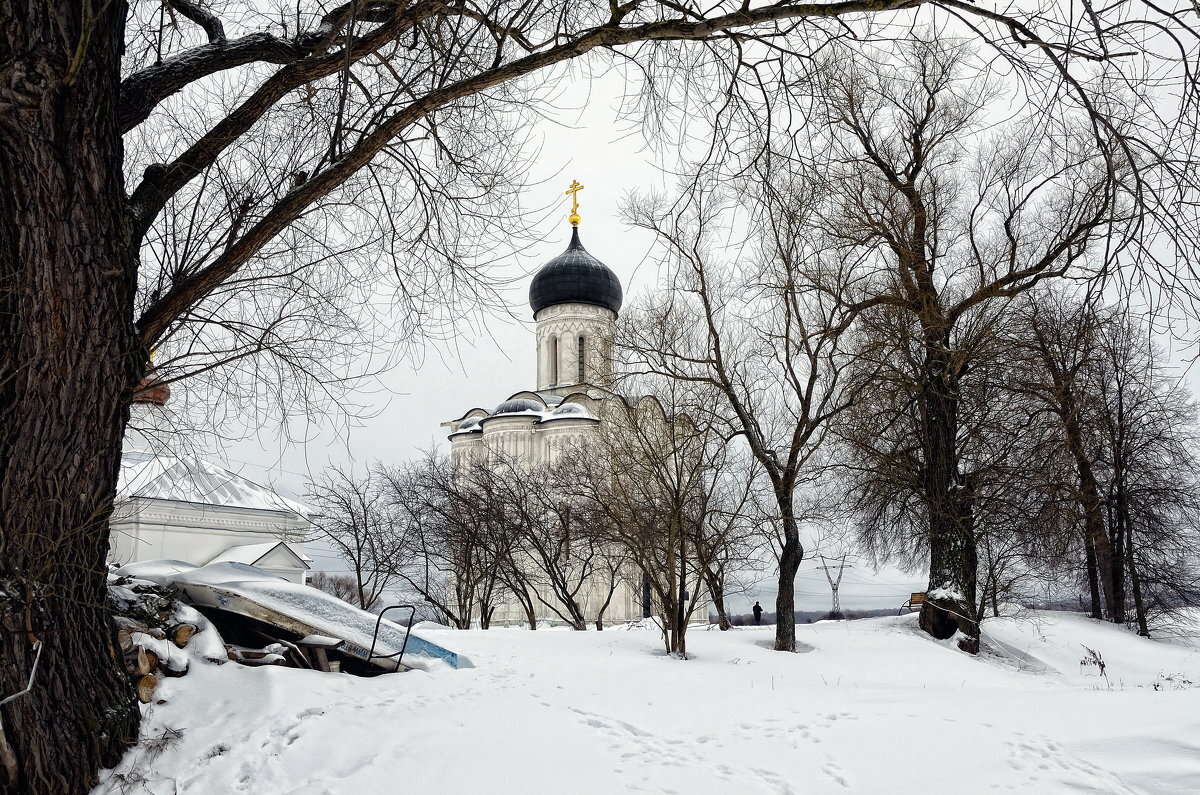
836	612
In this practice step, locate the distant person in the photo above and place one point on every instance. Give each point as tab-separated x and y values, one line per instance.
757	614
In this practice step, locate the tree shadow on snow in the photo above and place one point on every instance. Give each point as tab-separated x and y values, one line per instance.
801	647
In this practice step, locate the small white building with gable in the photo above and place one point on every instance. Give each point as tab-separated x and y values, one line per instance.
194	511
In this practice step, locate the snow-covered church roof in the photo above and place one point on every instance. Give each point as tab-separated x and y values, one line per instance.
159	477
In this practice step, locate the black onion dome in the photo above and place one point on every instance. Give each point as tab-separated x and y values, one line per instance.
575	277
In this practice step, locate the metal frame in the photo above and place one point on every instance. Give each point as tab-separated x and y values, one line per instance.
37	647
909	605
379	621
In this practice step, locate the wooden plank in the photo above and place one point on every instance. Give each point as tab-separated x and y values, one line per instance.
916	598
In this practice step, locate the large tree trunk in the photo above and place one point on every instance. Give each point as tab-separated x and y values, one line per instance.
1139	604
716	589
1092	505
953	560
1093	576
1117	527
789	564
68	363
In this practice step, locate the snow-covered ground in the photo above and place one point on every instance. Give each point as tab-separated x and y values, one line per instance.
869	706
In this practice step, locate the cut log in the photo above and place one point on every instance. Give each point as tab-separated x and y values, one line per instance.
141	661
145	688
136	663
176	666
181	634
125	639
131	624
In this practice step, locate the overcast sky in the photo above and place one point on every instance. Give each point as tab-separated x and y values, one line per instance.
484	367
587	145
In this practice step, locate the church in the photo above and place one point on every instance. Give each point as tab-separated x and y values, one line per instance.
575	299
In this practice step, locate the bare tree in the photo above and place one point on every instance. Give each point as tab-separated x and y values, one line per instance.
760	332
1061	343
454	544
491	528
1020	529
947	259
559	558
574	557
281	125
939	216
354	517
1129	430
730	525
1148	433
639	485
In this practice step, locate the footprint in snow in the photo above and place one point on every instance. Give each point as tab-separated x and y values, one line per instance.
831	769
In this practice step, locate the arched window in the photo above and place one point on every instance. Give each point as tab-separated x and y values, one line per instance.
582	358
553	361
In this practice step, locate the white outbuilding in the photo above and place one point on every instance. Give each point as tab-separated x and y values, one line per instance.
195	511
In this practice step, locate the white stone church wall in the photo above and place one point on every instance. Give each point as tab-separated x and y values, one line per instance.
559	328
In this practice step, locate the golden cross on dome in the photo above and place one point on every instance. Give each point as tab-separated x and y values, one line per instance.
573	192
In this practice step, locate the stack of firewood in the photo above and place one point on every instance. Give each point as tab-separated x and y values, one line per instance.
152	653
154	631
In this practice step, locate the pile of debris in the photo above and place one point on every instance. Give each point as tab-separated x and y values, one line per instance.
263	620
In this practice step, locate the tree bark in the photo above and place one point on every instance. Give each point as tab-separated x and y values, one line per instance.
1139	604
647	598
1092	505
485	614
716	589
789	564
68	366
1093	575
953	560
